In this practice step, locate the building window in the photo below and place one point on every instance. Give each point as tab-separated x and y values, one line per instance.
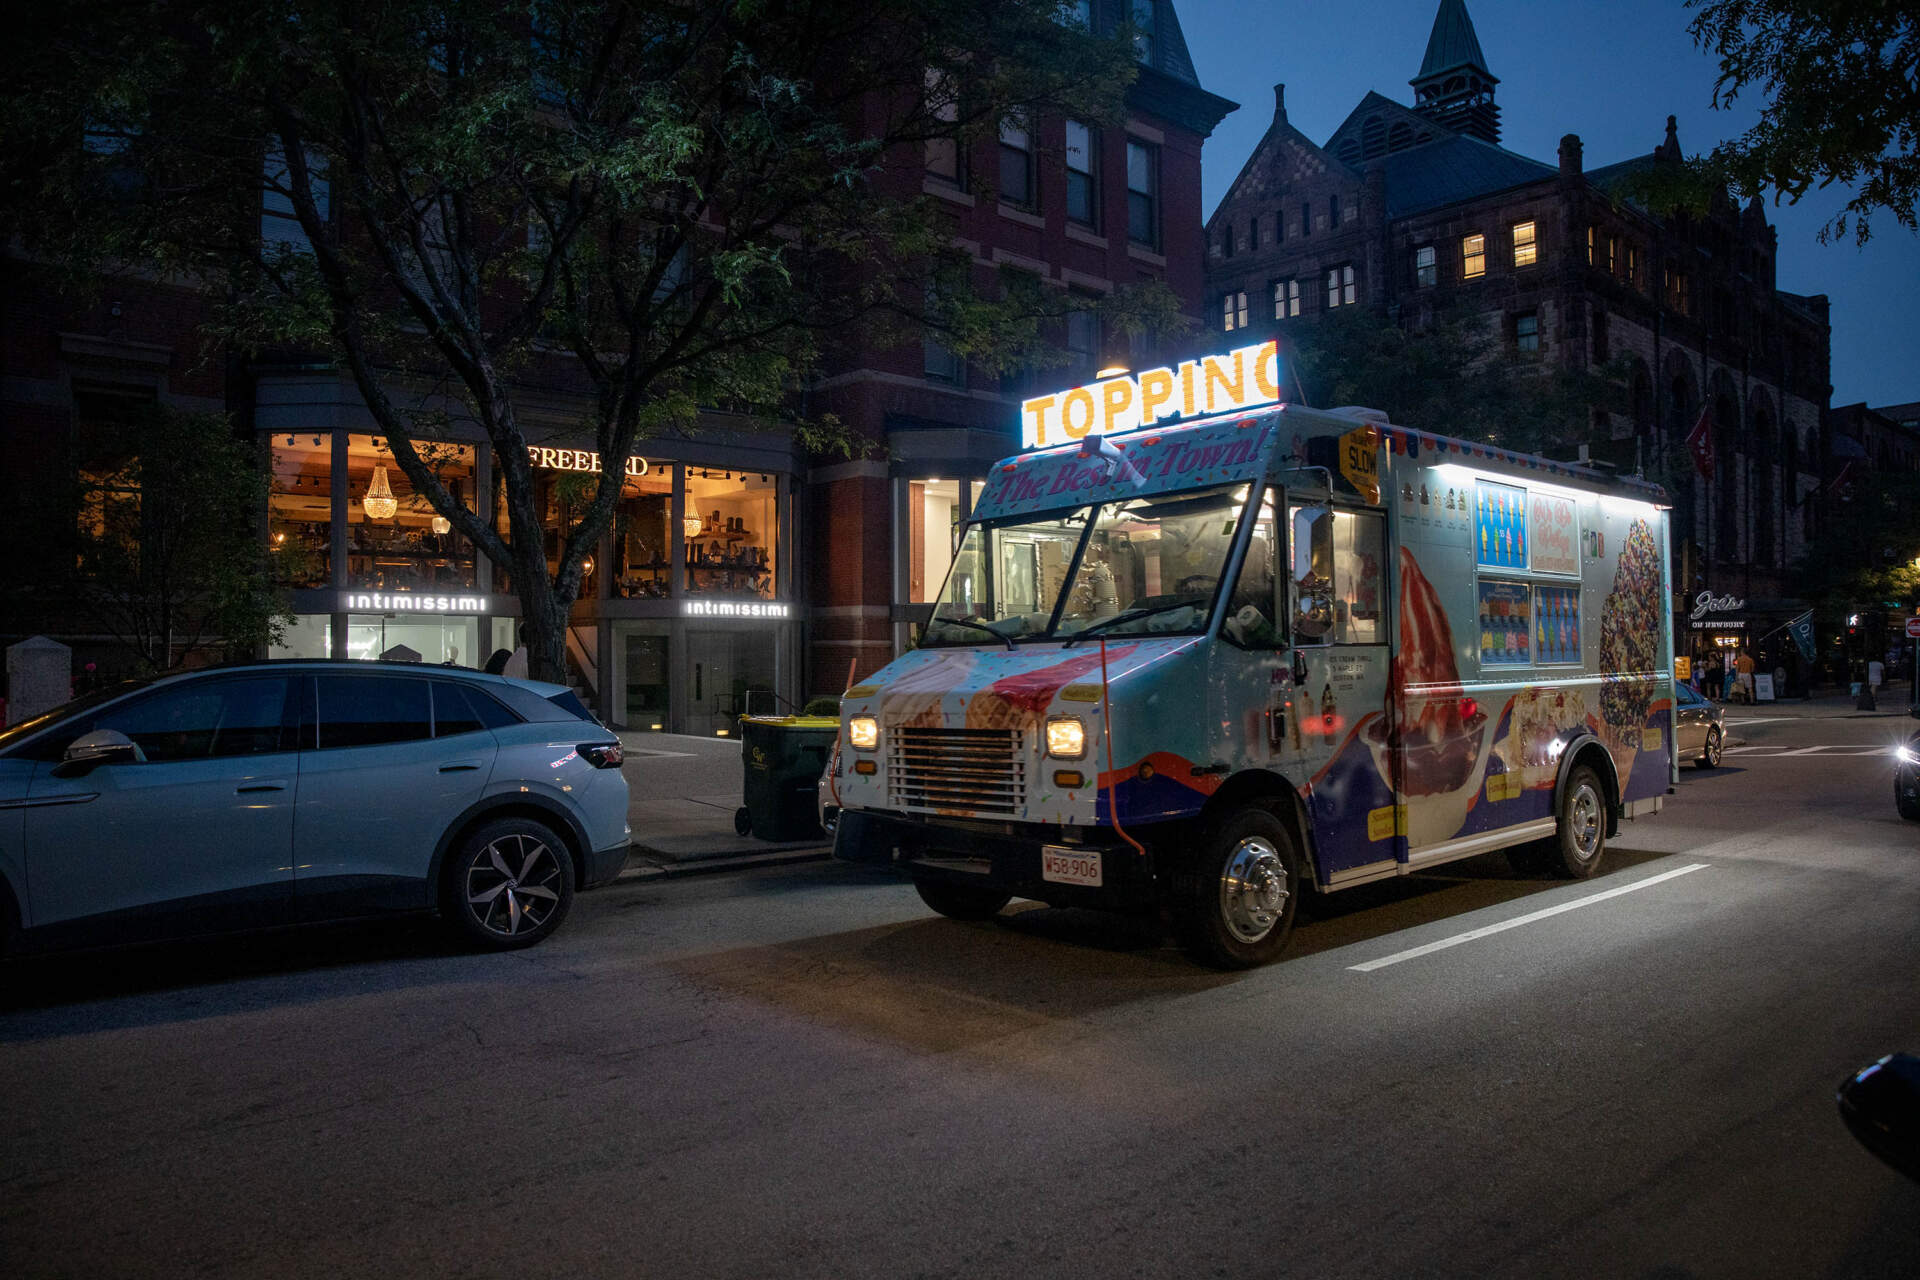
1286	299
1602	349
1253	234
1339	287
1144	30
933	523
1083	340
1526	331
940	364
1280	227
944	158
734	552
300	510
1633	266
1306	218
1426	271
1143	193
1592	235
1016	162
1333	211
1525	252
403	551
280	227
1083	191
1473	257
1226	240
1233	311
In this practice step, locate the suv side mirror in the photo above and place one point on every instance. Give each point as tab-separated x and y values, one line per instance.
91	750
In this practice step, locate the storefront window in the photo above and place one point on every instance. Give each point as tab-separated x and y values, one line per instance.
435	640
643	545
395	540
733	550
300	510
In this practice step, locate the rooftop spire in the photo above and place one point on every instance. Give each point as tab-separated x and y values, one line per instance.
1454	87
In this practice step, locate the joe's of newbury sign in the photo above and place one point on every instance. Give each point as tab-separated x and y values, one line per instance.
1238	380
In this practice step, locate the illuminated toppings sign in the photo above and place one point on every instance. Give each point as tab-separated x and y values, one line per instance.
578	460
734	609
1240	379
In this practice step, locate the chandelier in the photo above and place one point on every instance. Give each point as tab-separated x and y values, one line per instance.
379	504
442	525
691	526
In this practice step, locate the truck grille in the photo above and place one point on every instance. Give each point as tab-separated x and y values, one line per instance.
979	770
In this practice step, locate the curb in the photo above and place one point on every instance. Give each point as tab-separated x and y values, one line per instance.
643	866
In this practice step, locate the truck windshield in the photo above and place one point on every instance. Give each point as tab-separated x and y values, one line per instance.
1144	566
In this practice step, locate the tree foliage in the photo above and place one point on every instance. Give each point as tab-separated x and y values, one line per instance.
1841	81
152	541
667	206
1867	549
1453	375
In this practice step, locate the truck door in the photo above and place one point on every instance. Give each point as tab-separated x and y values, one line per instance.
1338	735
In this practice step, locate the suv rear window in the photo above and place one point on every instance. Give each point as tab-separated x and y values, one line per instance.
570	703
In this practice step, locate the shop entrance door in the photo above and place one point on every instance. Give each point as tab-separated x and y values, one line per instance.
710	700
646	678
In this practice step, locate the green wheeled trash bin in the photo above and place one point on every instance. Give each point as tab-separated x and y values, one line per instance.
784	758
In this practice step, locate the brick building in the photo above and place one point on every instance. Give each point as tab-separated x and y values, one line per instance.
1408	209
739	575
1083	209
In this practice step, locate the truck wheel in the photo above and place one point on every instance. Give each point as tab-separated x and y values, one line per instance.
1908	806
1234	905
962	901
1582	835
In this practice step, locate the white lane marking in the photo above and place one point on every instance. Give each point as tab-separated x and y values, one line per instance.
1516	922
1806	751
1734	751
1757	719
1775	750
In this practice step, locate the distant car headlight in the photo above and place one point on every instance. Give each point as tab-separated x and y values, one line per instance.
1066	738
1906	755
863	732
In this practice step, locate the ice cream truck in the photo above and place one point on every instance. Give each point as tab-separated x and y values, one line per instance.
1201	651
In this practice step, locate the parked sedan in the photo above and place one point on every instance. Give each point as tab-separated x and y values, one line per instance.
1702	732
286	792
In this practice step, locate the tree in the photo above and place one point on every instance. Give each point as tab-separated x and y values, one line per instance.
152	542
1842	83
1453	376
665	205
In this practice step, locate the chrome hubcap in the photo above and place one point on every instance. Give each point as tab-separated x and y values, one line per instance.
514	885
1253	890
1583	822
1713	748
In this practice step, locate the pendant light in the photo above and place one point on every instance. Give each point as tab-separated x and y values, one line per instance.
442	525
691	526
379	504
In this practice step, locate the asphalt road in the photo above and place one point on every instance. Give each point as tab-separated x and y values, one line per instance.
801	1072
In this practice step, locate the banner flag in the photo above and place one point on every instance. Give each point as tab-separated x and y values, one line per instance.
1801	628
1700	444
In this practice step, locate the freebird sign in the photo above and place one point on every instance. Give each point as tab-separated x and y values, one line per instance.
1240	379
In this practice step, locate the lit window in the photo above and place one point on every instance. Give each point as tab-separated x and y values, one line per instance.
1426	271
1473	257
1613	253
1143	194
1286	299
1525	251
1591	235
1233	311
1633	266
1339	287
1082	191
1016	161
1526	331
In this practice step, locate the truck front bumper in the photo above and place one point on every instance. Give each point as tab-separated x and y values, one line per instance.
1007	856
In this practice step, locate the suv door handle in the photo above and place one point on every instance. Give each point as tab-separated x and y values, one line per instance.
266	784
459	766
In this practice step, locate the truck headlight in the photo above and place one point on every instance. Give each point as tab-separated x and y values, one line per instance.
1906	755
1066	738
863	732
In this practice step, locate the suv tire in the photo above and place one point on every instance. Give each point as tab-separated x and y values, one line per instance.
508	884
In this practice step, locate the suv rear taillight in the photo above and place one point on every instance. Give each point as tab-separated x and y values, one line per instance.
601	755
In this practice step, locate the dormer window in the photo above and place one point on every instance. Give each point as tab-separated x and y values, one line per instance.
1146	26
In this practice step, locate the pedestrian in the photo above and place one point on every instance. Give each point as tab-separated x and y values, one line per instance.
1876	672
1743	676
1712	689
516	665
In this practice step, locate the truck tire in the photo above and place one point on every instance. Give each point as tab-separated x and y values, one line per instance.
1581	838
1233	904
962	901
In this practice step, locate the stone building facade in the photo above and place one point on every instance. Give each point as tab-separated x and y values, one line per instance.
1411	209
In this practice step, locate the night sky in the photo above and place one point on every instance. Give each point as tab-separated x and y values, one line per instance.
1611	72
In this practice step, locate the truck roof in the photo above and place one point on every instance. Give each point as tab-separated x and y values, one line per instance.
1237	448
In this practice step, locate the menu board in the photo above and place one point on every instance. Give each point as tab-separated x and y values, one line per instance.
1553	531
1500	526
1556	623
1506	614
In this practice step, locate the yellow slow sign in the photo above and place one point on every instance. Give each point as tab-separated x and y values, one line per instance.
1360	462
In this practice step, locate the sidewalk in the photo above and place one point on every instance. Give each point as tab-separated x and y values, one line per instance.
1829	704
685	790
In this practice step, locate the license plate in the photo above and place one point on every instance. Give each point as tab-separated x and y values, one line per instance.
1070	866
